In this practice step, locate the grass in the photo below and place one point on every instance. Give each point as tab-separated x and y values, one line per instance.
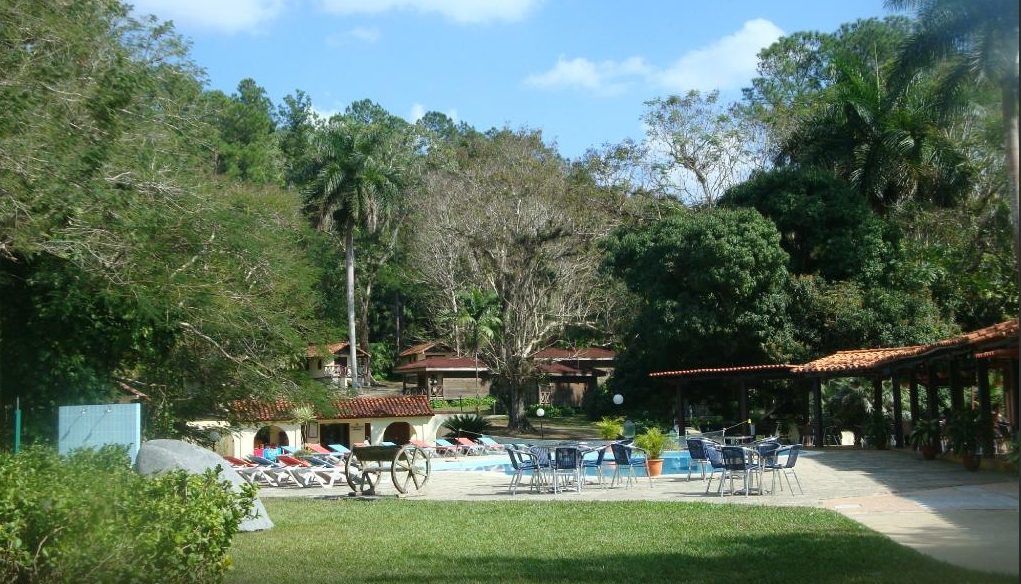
550	541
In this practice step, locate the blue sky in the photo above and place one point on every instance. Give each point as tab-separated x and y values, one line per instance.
578	70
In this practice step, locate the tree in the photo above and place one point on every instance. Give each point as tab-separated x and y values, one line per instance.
501	217
964	42
247	148
478	317
353	179
713	292
696	148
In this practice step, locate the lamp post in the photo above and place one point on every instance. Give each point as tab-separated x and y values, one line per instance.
540	413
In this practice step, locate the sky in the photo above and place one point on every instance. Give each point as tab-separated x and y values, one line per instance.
578	70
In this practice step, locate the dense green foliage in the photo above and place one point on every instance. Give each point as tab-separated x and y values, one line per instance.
90	517
574	541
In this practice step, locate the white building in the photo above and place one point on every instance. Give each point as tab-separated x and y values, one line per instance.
329	363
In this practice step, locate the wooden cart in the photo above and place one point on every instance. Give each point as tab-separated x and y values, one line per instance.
409	467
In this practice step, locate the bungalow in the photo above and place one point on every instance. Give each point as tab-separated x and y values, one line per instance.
395	419
434	369
329	364
570	373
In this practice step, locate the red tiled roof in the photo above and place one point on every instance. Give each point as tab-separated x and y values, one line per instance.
998	354
557	369
419	348
398	406
442	364
332	348
556	353
998	332
768	368
859	359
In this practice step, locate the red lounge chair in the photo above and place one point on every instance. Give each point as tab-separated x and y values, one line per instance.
469	446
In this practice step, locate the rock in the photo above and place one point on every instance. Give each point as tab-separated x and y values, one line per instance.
156	456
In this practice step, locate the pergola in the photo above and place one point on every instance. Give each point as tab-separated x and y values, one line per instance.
956	363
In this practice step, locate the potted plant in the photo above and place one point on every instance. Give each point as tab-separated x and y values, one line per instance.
877	431
610	428
925	437
962	432
653	441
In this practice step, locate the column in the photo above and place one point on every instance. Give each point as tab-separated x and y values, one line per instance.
985	407
913	396
877	394
956	389
932	393
817	412
742	400
679	403
898	415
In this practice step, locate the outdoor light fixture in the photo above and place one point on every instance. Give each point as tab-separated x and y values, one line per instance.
618	399
539	412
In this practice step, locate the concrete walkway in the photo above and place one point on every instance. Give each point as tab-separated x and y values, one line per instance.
936	507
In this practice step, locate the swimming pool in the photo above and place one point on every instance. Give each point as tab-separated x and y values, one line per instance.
674	462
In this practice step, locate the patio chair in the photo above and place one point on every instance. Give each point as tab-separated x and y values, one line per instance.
715	459
521	466
735	461
340	450
277	471
596	464
566	462
623	458
469	446
787	468
696	449
306	473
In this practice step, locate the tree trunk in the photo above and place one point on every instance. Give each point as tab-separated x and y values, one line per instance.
1010	131
516	420
352	337
363	326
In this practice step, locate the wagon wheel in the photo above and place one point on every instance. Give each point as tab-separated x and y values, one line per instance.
361	476
410	469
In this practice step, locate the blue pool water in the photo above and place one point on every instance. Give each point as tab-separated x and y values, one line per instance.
674	462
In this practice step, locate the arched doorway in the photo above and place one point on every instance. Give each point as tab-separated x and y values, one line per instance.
398	433
271	436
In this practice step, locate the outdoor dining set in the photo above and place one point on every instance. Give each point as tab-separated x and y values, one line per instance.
566	466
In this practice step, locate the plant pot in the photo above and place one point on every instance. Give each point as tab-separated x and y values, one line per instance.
654	466
928	452
971	461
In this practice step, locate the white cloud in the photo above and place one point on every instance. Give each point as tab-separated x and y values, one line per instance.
460	11
228	16
725	64
605	77
360	34
417	111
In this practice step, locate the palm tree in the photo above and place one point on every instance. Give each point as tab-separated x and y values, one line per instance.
479	316
353	177
967	42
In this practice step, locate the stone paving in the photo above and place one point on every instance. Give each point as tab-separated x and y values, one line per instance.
937	507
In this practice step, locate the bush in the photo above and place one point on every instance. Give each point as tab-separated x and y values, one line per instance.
551	411
877	430
654	442
466	403
90	517
467	424
610	428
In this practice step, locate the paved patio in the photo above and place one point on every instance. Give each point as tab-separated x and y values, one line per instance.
936	507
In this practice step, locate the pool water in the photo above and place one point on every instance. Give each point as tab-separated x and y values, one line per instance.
674	462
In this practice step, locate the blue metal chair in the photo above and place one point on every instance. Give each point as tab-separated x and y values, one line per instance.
735	462
696	450
623	459
521	466
596	464
787	468
567	462
712	454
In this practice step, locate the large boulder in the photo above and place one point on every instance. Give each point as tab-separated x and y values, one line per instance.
157	456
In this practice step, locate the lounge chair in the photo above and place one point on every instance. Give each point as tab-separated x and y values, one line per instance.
307	473
340	450
277	471
250	472
443	446
429	450
469	446
491	445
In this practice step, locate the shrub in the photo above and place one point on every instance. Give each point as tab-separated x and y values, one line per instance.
963	431
877	430
925	433
654	441
610	428
467	424
90	517
551	411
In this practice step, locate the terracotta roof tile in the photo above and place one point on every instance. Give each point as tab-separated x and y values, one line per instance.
998	332
332	348
441	364
398	406
556	353
419	348
768	368
859	359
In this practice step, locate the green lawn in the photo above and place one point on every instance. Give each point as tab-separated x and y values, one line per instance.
557	541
